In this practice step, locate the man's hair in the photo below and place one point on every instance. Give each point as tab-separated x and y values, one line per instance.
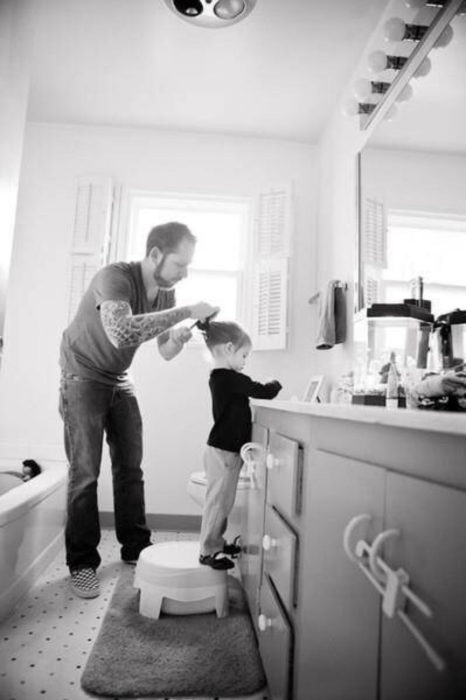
167	237
221	332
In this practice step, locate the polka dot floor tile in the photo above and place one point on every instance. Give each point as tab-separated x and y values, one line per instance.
45	641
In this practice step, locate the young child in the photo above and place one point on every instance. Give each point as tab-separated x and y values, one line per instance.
230	389
30	470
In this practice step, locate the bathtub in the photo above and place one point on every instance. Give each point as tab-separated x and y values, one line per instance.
31	529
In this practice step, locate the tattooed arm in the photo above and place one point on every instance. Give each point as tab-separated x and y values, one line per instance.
172	342
125	330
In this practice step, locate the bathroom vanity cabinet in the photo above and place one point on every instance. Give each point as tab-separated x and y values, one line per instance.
354	557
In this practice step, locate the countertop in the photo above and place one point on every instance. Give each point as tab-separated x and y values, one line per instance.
433	421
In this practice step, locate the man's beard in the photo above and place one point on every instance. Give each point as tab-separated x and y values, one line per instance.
159	279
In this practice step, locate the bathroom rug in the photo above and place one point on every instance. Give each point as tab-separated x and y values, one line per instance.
176	655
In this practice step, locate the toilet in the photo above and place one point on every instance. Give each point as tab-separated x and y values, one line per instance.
197	487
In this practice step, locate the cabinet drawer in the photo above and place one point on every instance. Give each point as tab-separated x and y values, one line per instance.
280	545
275	644
284	474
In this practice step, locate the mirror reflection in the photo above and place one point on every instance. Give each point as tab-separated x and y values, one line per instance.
413	176
412	238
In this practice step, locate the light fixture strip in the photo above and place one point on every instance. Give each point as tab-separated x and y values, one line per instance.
441	20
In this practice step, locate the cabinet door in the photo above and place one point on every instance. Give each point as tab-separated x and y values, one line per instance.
337	647
284	475
275	644
253	524
431	548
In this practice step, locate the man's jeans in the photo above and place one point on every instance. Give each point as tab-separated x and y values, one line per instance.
89	409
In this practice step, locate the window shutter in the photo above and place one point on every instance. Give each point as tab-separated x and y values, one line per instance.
273	234
270	294
374	243
272	249
91	236
82	270
371	291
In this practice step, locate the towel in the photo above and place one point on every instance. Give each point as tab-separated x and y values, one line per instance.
332	325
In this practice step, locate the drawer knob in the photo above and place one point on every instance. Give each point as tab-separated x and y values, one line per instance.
269	542
272	462
263	622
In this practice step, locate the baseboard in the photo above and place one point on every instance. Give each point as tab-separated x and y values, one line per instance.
160	521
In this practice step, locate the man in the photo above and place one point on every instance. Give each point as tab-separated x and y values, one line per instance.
125	305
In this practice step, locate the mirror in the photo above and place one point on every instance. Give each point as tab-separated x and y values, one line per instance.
412	181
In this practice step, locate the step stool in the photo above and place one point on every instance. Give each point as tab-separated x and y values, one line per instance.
171	580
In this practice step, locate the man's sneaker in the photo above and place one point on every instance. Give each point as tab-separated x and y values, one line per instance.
132	558
84	583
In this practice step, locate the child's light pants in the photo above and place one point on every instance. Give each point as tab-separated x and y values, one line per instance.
222	469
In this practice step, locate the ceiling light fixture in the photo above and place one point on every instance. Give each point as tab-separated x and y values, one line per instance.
211	13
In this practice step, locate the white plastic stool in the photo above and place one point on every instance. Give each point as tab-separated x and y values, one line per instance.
171	580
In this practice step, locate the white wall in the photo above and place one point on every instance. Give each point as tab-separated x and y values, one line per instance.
337	226
15	47
173	396
423	182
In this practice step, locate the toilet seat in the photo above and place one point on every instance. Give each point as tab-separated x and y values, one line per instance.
244	481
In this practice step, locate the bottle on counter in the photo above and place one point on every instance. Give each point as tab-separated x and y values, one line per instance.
391	396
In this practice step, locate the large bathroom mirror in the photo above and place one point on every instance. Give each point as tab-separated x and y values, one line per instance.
412	191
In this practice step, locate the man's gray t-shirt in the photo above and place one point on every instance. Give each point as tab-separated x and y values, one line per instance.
85	349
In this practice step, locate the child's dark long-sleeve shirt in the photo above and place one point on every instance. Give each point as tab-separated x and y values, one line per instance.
231	391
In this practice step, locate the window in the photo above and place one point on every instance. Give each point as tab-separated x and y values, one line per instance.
217	274
430	246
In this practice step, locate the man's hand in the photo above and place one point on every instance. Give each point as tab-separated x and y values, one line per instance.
180	335
202	310
172	342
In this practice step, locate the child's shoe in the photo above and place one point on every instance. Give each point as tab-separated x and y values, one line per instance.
216	561
232	548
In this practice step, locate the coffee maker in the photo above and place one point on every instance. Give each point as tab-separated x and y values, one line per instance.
450	341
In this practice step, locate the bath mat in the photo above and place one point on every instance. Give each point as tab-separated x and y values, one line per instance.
176	655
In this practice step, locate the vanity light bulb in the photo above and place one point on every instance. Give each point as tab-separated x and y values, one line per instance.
394	29
423	69
377	61
405	94
391	114
229	9
362	89
415	4
350	108
445	37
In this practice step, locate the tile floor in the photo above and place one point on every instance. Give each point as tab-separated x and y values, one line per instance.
45	642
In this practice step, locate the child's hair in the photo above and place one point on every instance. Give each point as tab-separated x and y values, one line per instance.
221	332
33	466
